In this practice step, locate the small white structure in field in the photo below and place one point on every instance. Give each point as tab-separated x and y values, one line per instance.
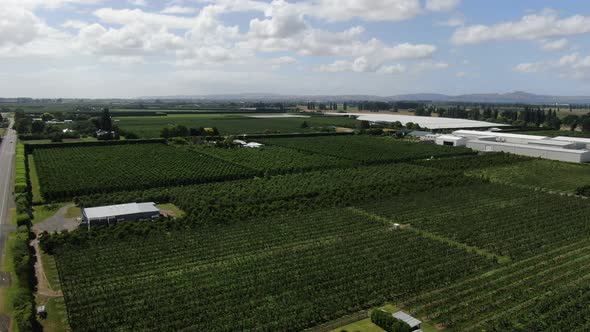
253	145
248	145
404	317
451	140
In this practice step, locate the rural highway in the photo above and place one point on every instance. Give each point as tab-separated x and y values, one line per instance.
7	152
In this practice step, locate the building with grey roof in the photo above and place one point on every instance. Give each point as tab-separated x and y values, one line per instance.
113	214
404	317
570	149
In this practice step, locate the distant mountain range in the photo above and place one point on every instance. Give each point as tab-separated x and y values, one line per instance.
517	97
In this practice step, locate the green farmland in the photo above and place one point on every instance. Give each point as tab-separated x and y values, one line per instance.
231	124
305	231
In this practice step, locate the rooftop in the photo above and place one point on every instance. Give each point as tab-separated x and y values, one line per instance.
451	137
413	322
531	146
573	139
429	122
119	210
497	134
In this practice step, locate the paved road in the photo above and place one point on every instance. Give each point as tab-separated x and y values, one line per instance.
7	152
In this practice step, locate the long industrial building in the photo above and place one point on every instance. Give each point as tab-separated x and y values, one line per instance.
570	149
113	214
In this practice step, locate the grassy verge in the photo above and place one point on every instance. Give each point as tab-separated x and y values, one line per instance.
73	212
7	293
42	212
172	208
50	269
56	320
34	178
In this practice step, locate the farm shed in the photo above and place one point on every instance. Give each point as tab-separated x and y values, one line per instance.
113	214
451	140
404	317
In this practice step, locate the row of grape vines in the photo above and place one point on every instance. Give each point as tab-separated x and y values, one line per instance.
69	172
501	219
546	292
543	174
368	149
285	273
252	197
276	159
472	162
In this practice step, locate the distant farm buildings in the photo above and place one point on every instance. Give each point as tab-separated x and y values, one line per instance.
114	214
568	149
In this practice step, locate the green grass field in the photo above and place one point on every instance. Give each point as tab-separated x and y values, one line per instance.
228	124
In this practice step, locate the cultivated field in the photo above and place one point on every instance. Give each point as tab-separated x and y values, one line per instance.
69	172
231	124
545	174
308	230
367	149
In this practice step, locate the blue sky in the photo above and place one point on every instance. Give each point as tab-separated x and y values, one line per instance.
131	48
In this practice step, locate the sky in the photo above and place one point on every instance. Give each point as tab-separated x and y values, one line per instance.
134	48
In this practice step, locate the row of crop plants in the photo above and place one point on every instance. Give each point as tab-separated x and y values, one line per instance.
369	149
501	219
546	292
248	198
68	172
280	273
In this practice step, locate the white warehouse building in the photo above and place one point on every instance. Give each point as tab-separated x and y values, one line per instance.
570	149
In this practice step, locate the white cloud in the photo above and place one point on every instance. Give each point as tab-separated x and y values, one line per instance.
554	45
282	61
391	70
571	66
442	5
18	26
123	60
461	74
74	24
139	3
130	16
178	10
531	27
376	10
532	67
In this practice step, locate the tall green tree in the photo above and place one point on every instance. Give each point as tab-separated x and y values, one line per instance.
106	122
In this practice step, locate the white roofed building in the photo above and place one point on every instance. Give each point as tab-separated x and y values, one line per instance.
404	317
568	149
113	214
